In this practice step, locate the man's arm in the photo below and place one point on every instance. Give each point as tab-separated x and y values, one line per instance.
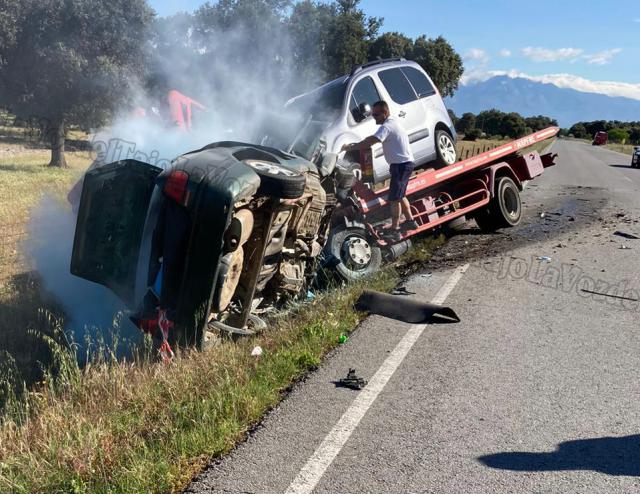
364	144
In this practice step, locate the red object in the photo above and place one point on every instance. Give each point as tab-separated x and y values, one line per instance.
176	187
181	109
438	196
600	139
366	165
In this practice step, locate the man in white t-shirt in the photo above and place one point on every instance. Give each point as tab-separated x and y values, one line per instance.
397	152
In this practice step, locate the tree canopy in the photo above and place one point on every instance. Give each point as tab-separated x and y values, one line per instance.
72	62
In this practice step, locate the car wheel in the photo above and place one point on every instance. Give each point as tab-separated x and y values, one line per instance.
278	181
504	210
445	149
357	257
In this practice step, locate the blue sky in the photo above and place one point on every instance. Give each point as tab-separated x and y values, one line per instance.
593	46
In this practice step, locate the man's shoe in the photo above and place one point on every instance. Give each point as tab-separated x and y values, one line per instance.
410	225
394	235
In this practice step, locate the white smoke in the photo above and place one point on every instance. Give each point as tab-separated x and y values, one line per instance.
239	97
90	309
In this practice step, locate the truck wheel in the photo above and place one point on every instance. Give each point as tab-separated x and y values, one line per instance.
505	208
358	258
278	181
445	149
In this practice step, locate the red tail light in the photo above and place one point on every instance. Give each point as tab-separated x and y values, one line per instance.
176	187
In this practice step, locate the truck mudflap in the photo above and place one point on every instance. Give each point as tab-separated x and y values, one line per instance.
111	219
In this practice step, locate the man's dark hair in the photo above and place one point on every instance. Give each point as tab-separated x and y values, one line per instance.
382	104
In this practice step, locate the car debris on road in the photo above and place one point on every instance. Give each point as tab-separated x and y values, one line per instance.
352	381
403	308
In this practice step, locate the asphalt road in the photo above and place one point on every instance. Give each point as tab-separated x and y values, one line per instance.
536	390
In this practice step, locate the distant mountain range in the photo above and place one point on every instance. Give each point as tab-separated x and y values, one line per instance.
530	98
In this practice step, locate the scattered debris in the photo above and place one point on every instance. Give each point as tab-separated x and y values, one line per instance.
544	258
256	352
352	381
426	275
342	339
401	290
310	295
404	309
626	235
609	295
572	218
624	247
542	215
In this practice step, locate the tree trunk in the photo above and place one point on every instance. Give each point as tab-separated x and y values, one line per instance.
56	134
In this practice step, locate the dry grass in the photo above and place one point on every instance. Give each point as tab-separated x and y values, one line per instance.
24	179
467	149
622	148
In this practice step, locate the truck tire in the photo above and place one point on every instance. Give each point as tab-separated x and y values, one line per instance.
445	149
278	181
505	208
357	257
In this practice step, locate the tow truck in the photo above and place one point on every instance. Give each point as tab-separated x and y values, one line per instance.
485	187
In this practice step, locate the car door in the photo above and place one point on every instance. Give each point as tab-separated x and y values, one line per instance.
111	218
365	92
428	96
408	109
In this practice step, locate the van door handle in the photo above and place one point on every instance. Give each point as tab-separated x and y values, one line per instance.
402	114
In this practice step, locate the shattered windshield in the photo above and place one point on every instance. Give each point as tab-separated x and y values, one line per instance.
300	124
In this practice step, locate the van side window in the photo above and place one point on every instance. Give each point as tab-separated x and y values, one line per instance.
419	82
397	86
364	92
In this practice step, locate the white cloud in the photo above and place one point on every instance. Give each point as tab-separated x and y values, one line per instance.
505	53
478	55
602	57
538	54
610	88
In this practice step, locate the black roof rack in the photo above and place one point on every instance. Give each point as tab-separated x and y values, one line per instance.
358	68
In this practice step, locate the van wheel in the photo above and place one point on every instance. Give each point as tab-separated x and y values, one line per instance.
278	181
357	257
505	208
445	149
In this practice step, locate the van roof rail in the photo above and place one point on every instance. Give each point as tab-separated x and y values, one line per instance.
358	68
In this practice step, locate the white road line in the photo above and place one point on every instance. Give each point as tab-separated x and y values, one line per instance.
315	467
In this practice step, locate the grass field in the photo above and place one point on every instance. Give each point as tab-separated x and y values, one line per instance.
24	179
621	148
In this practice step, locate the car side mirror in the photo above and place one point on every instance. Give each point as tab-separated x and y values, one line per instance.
327	164
365	110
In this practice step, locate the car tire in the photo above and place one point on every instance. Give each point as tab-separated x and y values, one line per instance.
446	153
355	257
505	208
278	181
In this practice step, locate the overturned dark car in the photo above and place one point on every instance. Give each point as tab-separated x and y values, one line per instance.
201	248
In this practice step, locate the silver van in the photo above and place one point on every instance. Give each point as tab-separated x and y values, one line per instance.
344	107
